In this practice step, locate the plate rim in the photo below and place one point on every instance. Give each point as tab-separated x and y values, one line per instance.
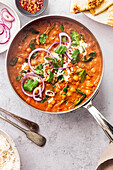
19	23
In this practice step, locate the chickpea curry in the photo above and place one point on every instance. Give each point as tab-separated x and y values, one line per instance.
55	65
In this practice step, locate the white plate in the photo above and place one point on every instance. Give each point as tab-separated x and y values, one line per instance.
4	134
102	18
15	26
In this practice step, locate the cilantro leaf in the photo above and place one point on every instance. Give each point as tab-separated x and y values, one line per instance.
13	61
19	77
61	49
33	31
30	85
54	61
79	100
42	38
92	56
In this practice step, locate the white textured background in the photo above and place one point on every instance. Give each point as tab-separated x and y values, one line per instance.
74	140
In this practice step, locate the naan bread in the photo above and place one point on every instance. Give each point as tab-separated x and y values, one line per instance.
102	7
110	16
83	5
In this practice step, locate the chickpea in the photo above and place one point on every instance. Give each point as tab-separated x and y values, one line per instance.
88	92
50	105
34	62
73	89
57	89
77	83
93	70
51	38
55	32
28	49
69	93
89	84
26	67
74	69
63	96
87	77
25	55
42	54
41	60
75	77
20	60
53	102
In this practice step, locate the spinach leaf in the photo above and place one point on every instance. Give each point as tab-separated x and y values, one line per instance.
65	90
75	56
61	49
13	61
32	44
34	55
42	38
78	101
62	28
63	38
30	85
45	99
48	31
60	77
26	60
39	67
54	61
83	49
75	36
23	71
61	61
24	38
92	56
50	77
40	72
74	44
19	77
82	74
33	31
54	86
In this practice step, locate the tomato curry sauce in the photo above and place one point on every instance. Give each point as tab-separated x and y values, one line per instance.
55	64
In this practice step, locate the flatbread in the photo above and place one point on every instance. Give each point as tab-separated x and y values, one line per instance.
110	15
102	7
83	5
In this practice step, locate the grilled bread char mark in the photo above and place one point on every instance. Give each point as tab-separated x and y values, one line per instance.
83	5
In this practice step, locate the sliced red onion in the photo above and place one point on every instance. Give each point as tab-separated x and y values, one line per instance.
5	39
7	23
66	35
7	15
30	55
49	93
69	56
1	29
39	98
31	75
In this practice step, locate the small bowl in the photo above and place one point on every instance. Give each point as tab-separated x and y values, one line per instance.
45	4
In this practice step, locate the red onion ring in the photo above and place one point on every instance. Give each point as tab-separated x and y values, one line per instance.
66	35
30	55
1	29
7	23
7	15
7	34
29	75
39	94
49	91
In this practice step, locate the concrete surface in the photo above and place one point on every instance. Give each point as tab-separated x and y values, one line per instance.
74	140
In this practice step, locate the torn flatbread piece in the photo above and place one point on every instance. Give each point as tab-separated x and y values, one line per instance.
110	15
102	7
83	5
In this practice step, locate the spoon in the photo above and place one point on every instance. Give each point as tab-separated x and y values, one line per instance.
29	124
34	137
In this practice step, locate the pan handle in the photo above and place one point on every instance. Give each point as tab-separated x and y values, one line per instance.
105	125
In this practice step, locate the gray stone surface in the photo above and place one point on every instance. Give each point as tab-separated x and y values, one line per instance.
74	140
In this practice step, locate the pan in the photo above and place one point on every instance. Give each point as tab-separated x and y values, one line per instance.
104	124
